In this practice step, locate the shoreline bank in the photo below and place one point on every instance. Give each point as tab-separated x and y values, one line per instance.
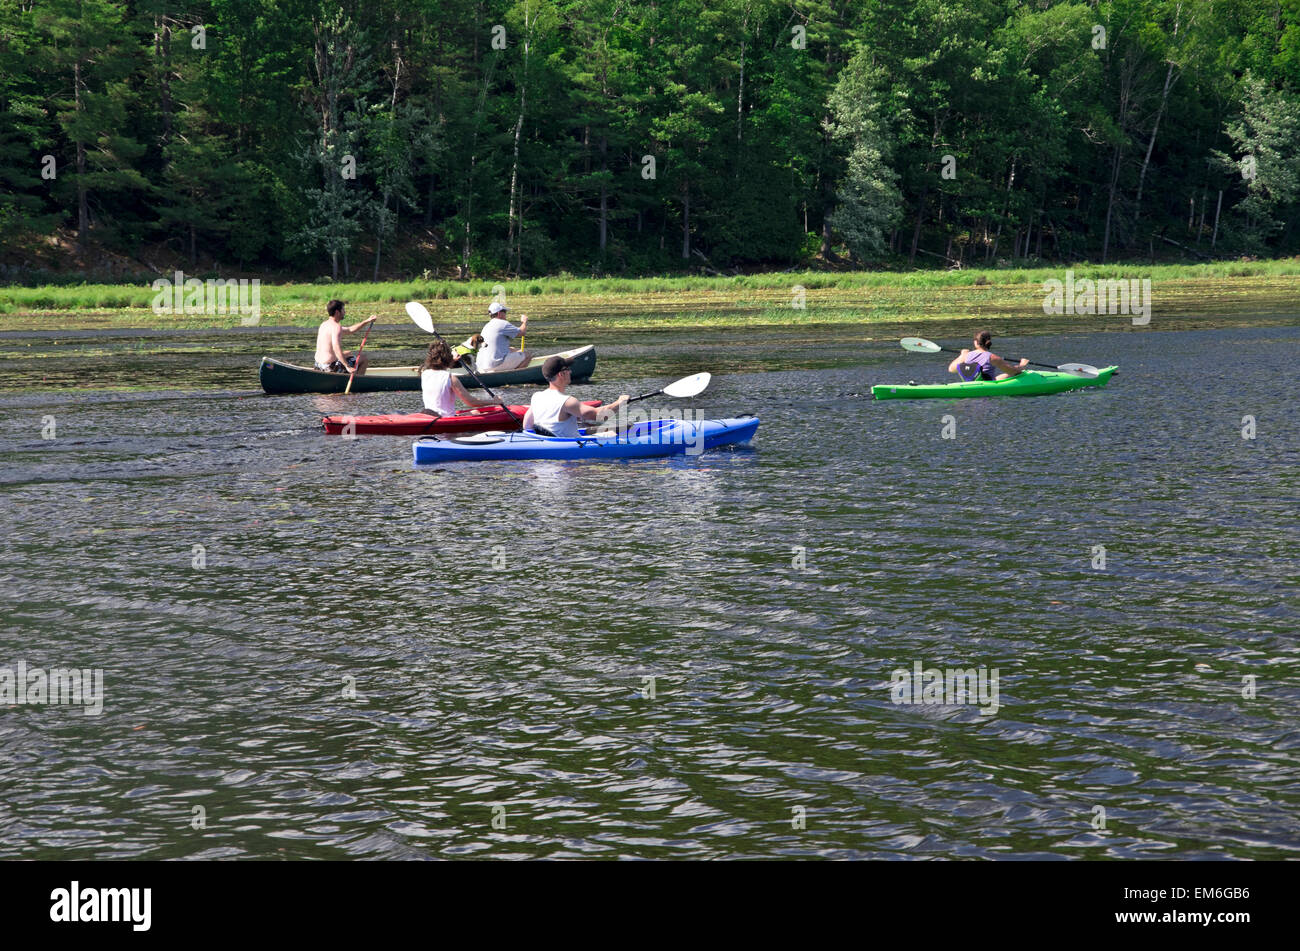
774	299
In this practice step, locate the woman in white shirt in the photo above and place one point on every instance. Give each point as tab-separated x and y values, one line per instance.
440	387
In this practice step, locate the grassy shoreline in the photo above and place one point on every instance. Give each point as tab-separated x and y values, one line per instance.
755	299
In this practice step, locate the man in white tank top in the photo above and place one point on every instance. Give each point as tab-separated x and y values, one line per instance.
554	412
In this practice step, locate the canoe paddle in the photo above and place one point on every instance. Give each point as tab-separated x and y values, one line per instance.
364	338
424	320
921	345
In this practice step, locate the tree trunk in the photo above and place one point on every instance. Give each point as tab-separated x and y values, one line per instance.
686	221
163	49
1110	205
1151	142
1128	69
473	152
388	191
437	111
916	229
519	245
519	128
469	213
828	205
740	97
379	238
83	202
1006	208
1155	126
604	196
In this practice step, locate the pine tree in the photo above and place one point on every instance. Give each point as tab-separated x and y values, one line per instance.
868	200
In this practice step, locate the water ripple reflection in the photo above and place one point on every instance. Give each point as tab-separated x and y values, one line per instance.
331	654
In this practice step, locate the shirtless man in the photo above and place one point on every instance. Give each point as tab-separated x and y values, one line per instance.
330	355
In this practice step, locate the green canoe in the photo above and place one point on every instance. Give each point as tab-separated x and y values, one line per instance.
280	377
1029	383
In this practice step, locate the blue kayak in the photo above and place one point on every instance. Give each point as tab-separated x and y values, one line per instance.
656	437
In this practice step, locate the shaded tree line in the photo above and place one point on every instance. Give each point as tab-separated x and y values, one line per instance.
633	136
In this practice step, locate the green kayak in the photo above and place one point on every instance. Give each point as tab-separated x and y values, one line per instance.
1029	383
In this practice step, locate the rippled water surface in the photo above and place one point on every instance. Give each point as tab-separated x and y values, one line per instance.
687	657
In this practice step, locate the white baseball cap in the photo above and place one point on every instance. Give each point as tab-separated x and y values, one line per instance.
496	307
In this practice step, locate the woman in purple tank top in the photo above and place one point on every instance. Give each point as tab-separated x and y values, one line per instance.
982	363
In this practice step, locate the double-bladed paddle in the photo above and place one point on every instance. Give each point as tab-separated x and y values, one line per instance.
686	386
921	345
678	389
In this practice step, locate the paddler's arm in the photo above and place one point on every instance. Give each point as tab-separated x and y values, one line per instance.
593	413
355	327
1011	369
459	389
958	360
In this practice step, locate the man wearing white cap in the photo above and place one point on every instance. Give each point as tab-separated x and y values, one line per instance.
495	354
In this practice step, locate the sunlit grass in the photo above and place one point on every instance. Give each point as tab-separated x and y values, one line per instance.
651	301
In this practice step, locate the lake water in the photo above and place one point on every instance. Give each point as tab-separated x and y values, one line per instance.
310	648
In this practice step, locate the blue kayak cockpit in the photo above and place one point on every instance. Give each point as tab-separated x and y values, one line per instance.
640	430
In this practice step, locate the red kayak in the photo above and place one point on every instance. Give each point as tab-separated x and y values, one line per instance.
421	424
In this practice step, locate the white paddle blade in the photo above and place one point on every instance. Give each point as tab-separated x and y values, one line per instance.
688	386
420	314
1079	369
919	345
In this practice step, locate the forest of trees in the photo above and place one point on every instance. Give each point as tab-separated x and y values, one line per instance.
524	137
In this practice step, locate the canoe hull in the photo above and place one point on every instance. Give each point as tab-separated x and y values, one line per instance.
1029	383
644	440
276	376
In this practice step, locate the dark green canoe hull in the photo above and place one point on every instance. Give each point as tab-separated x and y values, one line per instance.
279	377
